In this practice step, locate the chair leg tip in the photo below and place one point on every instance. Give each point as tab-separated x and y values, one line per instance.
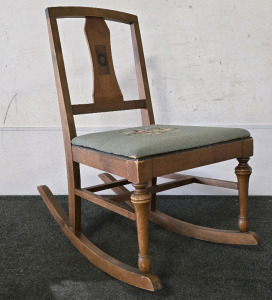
155	283
255	237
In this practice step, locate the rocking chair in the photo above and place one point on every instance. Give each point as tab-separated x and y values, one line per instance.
139	155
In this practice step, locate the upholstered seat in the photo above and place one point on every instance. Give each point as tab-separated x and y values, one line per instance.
143	141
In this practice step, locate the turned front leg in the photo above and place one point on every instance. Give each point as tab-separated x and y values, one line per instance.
141	201
243	171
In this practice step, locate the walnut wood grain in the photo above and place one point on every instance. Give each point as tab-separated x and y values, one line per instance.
151	184
146	169
141	202
106	203
108	178
203	180
198	157
170	185
80	109
106	89
243	171
108	97
68	125
102	187
191	230
95	255
203	233
82	12
142	80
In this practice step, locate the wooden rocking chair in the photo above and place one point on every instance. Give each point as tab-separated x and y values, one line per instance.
139	155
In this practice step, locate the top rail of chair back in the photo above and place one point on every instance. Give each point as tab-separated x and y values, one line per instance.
82	12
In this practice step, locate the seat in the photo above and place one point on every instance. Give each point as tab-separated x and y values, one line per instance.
143	141
139	155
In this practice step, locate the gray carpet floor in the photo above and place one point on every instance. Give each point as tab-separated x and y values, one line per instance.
39	262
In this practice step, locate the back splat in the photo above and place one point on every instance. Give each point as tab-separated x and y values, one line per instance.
106	88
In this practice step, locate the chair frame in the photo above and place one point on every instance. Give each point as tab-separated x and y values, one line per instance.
142	173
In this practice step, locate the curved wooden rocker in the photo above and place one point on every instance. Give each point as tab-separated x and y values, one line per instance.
188	229
95	255
141	171
204	233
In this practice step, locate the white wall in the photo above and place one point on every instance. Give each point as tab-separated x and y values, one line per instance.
208	63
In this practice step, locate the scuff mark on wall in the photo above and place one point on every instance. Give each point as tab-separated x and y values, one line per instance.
181	99
9	107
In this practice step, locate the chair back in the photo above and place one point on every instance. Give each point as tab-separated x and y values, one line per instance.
107	95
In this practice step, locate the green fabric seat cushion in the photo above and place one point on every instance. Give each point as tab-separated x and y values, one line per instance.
157	139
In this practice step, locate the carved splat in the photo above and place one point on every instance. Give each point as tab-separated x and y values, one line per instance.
106	88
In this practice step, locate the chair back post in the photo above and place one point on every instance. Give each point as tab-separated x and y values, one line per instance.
66	114
142	80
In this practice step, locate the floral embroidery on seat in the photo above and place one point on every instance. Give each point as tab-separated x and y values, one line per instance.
151	131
